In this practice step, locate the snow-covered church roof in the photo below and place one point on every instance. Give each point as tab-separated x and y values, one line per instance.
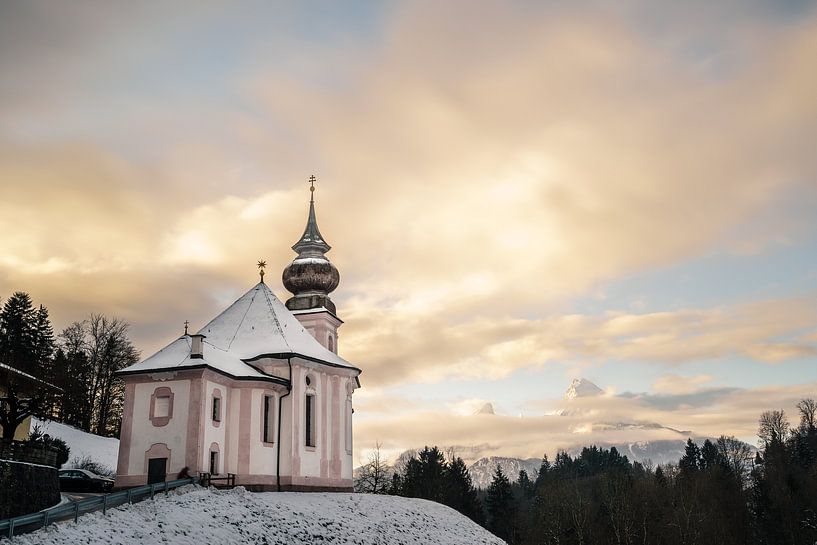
257	325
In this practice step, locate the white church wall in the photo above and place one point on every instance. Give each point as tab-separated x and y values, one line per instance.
347	416
310	456
233	417
286	435
263	455
145	433
214	432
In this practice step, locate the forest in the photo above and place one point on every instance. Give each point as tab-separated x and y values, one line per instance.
70	376
720	492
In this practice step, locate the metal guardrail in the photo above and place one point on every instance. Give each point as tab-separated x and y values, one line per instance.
28	523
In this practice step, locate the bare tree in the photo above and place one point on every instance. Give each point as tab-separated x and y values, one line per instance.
110	350
808	414
93	350
773	427
375	476
738	455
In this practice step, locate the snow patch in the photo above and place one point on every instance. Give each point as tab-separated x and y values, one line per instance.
103	450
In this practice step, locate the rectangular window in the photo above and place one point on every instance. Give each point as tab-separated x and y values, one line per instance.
310	420
216	409
213	463
162	408
269	419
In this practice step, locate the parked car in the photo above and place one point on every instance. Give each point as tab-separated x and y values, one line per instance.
82	480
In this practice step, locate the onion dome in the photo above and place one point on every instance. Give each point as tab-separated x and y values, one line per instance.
311	277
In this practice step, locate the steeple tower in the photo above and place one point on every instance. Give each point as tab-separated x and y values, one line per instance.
311	277
311	243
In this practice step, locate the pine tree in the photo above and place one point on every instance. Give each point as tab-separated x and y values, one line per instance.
525	484
691	461
17	333
544	469
460	493
26	345
500	506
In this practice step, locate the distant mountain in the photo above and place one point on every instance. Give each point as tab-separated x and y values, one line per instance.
659	452
581	387
482	471
487	408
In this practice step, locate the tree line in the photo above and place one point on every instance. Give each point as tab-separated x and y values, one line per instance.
719	492
71	376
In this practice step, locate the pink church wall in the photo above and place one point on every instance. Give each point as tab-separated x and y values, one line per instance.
189	431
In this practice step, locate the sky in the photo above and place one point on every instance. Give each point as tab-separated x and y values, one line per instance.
517	194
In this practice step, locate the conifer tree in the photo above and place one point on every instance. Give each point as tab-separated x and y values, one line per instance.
500	506
691	461
460	493
26	345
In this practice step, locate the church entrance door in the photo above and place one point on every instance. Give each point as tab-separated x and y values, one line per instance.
157	470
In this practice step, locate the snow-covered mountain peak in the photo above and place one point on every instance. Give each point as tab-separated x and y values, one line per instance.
487	408
581	387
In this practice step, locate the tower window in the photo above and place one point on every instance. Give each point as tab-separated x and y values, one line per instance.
310	420
331	343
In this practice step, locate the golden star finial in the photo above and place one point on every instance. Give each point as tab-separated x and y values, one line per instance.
261	265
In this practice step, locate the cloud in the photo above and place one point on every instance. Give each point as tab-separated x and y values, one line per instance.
597	420
492	348
676	384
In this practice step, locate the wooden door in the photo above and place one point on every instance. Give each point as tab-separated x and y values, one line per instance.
157	470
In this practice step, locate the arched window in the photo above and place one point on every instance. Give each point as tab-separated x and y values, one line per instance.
310	411
268	426
214	459
331	343
215	413
309	415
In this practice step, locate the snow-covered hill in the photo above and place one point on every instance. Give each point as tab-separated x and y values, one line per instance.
195	515
482	471
102	450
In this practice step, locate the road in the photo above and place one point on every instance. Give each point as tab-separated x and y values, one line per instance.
76	496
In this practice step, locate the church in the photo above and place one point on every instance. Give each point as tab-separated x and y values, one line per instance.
259	392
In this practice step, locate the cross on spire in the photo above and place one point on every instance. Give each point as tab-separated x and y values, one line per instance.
186	323
261	265
312	181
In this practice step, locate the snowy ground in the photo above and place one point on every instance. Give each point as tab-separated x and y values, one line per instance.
103	450
193	515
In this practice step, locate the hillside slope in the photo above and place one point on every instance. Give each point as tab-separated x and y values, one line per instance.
194	515
102	450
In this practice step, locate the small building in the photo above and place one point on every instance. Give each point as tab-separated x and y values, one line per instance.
23	390
259	391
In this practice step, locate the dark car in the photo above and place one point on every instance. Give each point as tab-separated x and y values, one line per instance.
82	480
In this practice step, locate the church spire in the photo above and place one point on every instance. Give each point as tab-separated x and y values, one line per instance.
311	243
311	277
